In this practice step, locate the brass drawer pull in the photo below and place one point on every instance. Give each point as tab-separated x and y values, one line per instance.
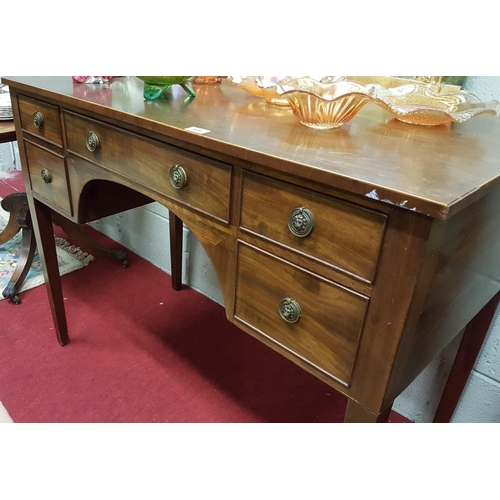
38	119
290	310
46	175
301	222
92	142
178	176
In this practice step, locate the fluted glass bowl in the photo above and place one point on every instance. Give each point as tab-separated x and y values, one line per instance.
155	86
260	86
419	104
323	105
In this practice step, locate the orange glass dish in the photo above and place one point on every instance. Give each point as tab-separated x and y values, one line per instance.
324	105
260	86
419	104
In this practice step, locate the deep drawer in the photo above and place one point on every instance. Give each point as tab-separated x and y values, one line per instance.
48	176
344	235
332	317
149	162
40	119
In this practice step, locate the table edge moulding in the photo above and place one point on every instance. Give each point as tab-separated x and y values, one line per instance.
358	253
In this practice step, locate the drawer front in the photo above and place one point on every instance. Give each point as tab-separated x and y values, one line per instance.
149	162
344	235
48	177
40	119
328	331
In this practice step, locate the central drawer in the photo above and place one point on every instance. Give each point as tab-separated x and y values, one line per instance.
327	330
206	182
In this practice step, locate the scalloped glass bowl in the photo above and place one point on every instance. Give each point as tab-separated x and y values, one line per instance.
155	86
323	105
419	104
260	86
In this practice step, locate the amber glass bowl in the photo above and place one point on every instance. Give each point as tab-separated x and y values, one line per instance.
323	105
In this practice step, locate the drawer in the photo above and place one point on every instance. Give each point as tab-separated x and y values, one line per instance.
40	119
151	163
48	177
327	334
343	235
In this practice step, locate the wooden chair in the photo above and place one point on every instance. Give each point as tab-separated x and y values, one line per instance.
20	220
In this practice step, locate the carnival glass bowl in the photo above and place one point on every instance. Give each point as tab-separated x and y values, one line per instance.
324	104
419	104
155	86
260	86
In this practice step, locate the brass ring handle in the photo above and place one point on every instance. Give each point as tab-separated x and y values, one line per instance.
178	176
46	175
290	310
301	222
38	119
92	142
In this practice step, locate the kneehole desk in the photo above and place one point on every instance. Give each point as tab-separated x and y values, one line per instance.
358	253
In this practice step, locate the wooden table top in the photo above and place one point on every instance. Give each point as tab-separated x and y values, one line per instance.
434	171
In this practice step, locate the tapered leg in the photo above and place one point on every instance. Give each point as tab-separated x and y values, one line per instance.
42	223
357	413
472	341
175	250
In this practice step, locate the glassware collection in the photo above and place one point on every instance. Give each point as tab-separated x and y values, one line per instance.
327	102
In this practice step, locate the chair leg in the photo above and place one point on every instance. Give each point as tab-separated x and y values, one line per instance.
13	204
28	247
20	220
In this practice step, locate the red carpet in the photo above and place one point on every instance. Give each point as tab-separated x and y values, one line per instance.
141	352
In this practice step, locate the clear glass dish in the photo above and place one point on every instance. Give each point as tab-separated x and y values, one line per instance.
396	81
419	104
324	104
